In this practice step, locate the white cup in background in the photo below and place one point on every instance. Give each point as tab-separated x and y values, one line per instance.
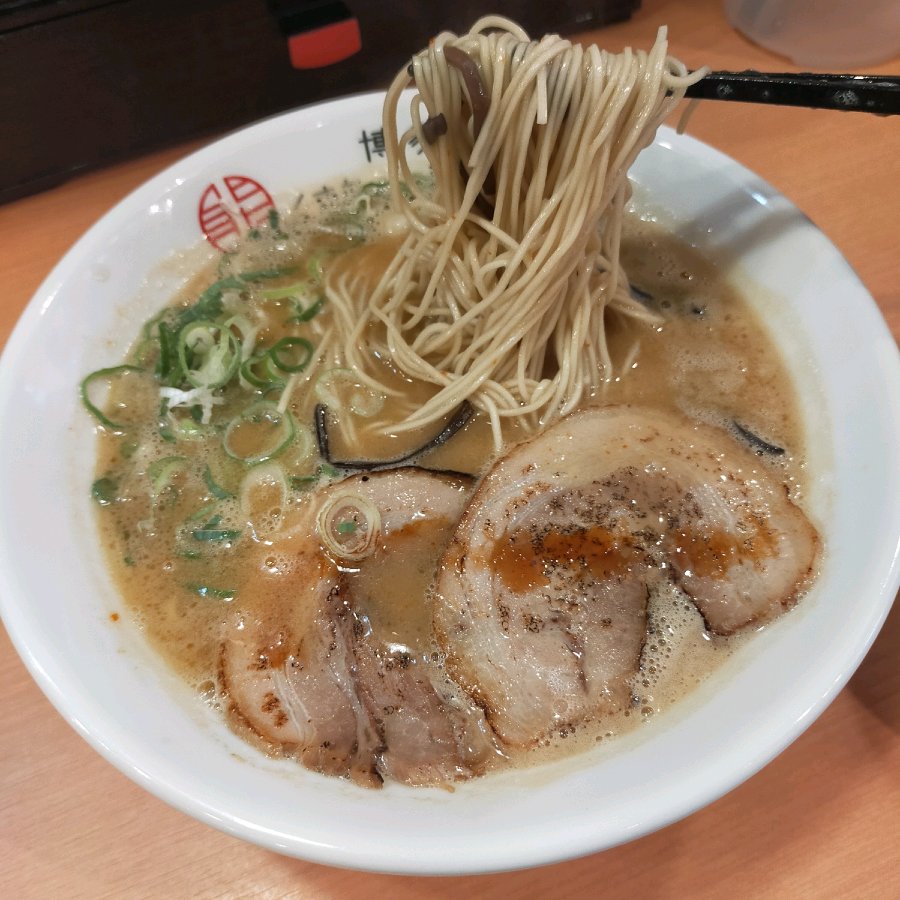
821	34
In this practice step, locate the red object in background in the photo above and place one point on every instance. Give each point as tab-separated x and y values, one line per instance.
220	220
326	45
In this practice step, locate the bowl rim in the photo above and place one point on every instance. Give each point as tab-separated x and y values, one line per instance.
107	738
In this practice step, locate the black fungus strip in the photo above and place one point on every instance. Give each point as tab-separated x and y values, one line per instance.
757	443
483	204
460	418
320	414
641	295
480	103
433	127
478	95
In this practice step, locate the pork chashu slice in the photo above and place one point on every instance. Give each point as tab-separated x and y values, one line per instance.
333	664
541	599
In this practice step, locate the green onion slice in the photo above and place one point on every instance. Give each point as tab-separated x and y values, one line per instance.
311	311
259	433
203	513
214	487
167	366
265	381
208	306
147	328
175	428
209	354
375	189
264	489
215	534
105	491
274	218
205	590
349	527
383	189
303	449
247	331
99	375
291	354
304	482
162	472
315	268
285	290
265	274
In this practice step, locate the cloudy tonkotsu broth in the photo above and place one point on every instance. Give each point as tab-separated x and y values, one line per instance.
186	526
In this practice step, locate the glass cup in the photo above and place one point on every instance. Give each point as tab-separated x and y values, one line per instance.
821	34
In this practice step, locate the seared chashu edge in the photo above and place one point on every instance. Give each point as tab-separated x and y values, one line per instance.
308	676
541	599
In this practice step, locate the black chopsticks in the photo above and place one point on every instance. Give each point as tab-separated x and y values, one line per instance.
878	94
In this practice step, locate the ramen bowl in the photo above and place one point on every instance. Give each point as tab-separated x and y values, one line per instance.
110	685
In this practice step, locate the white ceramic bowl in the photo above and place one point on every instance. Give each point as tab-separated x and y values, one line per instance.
56	596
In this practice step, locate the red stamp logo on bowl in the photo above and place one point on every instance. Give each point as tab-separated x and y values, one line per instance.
229	207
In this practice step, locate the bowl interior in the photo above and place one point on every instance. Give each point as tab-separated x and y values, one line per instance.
56	597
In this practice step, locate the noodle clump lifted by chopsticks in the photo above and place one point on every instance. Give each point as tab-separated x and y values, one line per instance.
499	290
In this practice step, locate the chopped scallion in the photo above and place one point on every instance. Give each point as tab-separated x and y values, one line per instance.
265	380
209	354
105	491
215	534
209	303
314	268
304	482
90	406
375	189
265	274
291	354
167	366
214	488
186	429
259	433
162	472
275	224
205	590
285	291
311	311
203	512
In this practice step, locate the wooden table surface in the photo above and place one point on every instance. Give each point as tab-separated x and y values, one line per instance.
822	820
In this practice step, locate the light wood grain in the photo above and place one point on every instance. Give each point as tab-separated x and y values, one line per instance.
820	821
